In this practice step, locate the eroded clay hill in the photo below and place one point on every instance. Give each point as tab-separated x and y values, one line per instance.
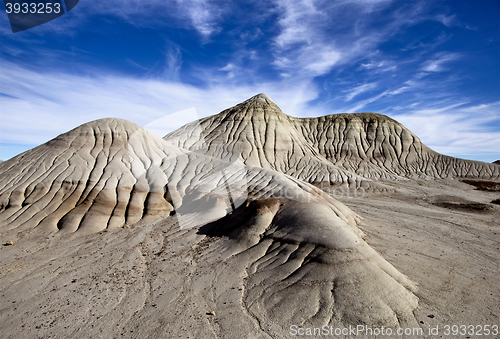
82	179
259	134
376	146
338	147
111	172
297	251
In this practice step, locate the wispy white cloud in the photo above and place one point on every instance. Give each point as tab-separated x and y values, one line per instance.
300	47
229	68
419	87
399	90
360	104
447	20
457	129
295	22
201	15
437	64
313	61
351	93
426	46
471	28
173	63
314	38
31	99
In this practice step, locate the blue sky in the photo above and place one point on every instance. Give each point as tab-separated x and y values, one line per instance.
432	65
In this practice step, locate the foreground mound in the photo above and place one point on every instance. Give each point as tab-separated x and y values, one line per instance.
270	265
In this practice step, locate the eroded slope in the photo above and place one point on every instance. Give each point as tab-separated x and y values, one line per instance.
111	172
88	178
258	133
350	148
376	146
270	264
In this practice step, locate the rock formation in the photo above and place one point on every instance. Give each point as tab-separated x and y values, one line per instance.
337	147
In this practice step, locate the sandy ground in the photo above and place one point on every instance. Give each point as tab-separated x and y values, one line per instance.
428	231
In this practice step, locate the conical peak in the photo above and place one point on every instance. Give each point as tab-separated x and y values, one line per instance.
260	104
261	98
104	126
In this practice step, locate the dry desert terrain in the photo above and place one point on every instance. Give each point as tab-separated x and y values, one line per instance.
247	224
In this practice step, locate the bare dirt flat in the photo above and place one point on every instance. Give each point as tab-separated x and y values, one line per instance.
429	231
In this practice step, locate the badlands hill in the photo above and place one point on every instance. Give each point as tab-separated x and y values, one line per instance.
216	231
340	147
